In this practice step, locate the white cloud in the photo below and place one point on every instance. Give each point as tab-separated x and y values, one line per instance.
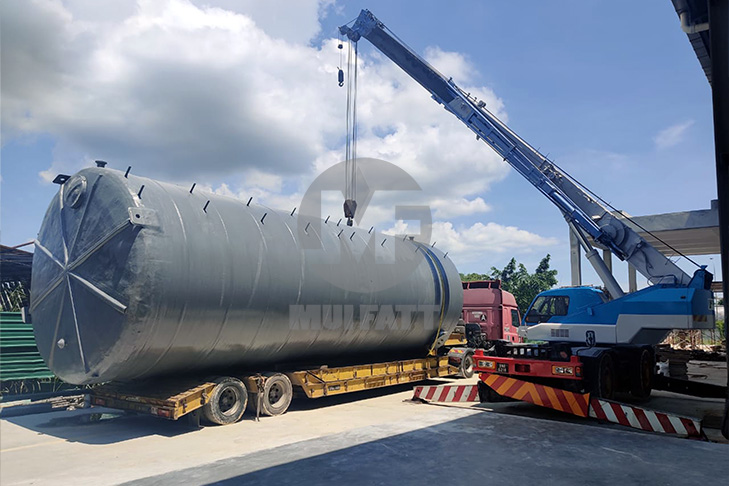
233	95
672	135
478	242
291	20
448	208
173	89
179	90
472	243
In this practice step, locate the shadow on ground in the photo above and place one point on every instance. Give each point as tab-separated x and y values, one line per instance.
480	448
101	425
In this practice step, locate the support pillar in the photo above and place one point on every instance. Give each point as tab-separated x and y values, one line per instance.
719	34
632	279
575	259
607	257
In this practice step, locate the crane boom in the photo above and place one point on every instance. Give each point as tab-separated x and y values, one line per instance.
583	211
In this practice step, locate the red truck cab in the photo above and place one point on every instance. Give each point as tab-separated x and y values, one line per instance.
485	303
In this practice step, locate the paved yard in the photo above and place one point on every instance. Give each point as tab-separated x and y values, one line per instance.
374	438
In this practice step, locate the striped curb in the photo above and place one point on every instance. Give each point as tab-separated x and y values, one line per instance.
447	393
644	419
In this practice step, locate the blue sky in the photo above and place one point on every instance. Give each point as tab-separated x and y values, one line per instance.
241	97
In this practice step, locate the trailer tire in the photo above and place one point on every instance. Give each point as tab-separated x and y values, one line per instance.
641	383
227	402
466	368
605	381
277	394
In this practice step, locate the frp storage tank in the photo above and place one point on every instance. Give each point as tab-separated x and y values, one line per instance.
133	278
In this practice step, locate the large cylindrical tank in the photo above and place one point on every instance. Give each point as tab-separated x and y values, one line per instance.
134	278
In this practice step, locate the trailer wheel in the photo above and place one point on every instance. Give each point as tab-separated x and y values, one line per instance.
277	394
642	377
227	403
605	383
466	369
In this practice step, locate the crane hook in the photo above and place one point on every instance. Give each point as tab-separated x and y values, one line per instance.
341	72
350	207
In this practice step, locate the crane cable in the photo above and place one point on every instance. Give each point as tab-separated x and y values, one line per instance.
350	160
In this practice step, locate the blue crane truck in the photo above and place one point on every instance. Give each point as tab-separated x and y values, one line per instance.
601	340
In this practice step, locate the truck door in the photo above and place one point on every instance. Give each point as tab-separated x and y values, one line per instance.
511	324
493	326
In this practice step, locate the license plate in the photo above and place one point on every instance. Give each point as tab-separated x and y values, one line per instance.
502	367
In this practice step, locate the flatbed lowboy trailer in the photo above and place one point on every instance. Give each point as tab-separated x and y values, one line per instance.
221	400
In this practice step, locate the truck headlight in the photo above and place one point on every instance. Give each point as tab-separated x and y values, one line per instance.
489	365
563	370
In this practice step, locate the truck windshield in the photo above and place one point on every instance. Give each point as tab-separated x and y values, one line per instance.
546	306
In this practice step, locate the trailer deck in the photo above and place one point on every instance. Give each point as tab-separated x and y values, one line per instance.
174	398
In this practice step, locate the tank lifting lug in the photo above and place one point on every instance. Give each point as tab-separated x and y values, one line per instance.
61	179
143	217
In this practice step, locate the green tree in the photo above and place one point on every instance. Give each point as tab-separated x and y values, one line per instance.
470	277
515	278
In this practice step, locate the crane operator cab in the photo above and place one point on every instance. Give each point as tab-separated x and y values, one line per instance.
554	305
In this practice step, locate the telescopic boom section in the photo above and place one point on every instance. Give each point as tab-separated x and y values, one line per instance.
583	212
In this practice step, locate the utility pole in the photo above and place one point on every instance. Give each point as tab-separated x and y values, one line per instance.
719	35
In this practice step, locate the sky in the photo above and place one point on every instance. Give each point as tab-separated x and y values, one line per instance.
241	97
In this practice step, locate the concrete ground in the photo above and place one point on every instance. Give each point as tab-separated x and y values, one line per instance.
376	437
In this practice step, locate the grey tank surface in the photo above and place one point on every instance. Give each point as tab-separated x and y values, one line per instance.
134	278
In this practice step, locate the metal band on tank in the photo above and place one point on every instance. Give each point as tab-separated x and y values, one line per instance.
439	279
446	296
444	278
436	278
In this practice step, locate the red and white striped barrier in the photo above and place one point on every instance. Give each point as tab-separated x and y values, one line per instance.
644	419
447	393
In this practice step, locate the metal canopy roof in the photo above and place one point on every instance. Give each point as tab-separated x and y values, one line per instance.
698	13
15	265
697	241
688	232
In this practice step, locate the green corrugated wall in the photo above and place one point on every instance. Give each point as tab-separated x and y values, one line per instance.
19	357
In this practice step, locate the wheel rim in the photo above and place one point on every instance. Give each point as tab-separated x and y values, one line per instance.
468	368
228	401
275	394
